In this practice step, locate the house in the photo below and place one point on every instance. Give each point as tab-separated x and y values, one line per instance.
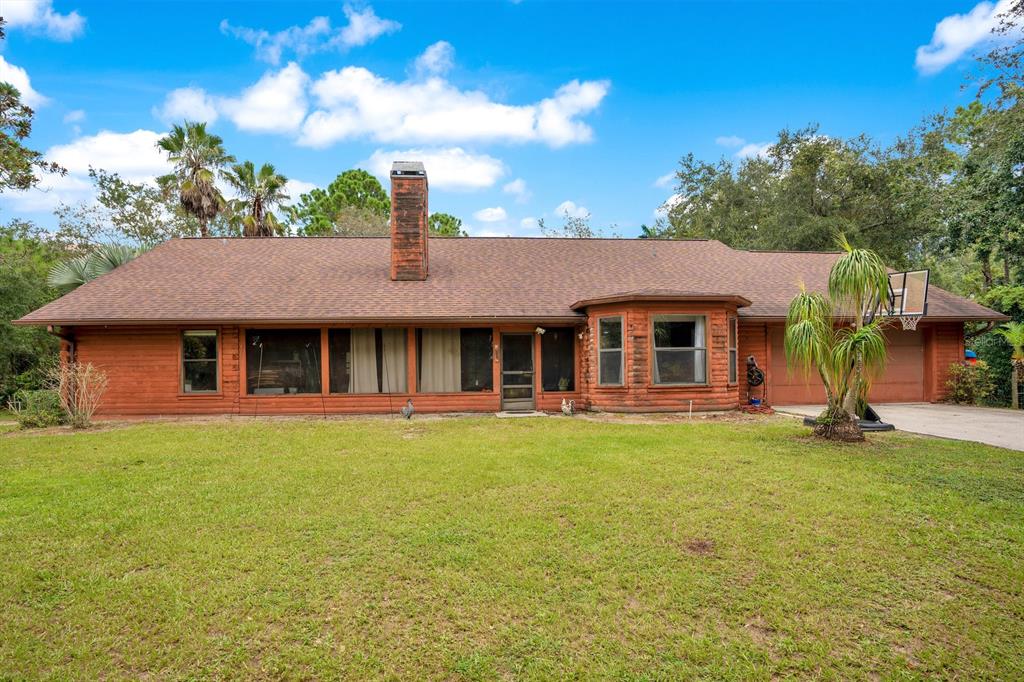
358	325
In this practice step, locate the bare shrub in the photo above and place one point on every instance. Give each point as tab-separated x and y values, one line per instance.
80	387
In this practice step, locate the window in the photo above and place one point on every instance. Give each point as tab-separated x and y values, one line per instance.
558	360
368	360
199	362
733	352
454	360
282	361
679	353
609	350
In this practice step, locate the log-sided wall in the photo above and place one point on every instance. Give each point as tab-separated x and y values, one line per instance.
144	369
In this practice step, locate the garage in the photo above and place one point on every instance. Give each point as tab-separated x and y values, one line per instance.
902	381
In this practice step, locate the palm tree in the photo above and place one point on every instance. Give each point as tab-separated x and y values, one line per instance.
830	334
261	192
1013	332
197	157
75	272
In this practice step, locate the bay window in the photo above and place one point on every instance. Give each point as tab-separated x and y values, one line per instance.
680	355
610	351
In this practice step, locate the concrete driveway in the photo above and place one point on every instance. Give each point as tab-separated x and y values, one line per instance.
993	426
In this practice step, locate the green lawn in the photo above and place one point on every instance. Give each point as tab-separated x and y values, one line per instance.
523	549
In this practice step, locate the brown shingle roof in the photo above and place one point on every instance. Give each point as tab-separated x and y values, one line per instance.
347	279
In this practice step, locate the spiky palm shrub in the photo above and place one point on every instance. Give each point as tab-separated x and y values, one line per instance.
197	157
261	191
1013	332
73	273
829	334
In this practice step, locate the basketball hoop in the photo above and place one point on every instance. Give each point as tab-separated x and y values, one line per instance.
909	322
907	299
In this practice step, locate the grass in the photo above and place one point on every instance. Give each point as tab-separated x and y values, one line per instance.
527	549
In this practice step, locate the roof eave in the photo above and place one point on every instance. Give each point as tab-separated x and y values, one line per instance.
740	301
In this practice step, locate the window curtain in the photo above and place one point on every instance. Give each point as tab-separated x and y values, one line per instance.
393	366
699	362
364	362
441	361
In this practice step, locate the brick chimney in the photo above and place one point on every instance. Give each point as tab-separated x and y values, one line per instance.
408	221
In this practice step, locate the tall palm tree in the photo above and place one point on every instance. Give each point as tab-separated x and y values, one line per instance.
261	191
830	334
197	157
73	273
1013	332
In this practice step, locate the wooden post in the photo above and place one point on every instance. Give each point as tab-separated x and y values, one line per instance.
325	369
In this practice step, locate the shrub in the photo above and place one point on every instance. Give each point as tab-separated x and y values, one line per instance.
36	409
80	388
970	384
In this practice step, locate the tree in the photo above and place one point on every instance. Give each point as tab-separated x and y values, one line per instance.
26	255
805	185
1013	332
18	163
445	225
261	191
359	221
829	334
318	211
74	272
573	226
197	157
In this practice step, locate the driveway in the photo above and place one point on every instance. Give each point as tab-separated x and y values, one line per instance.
993	426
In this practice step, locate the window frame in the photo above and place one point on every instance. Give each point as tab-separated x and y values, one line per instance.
621	350
244	361
679	317
733	344
182	360
575	361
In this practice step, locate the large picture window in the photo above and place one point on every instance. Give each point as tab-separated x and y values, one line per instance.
282	361
199	361
609	350
454	360
368	360
733	350
680	356
558	360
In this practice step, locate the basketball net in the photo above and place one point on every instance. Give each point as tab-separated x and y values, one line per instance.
909	322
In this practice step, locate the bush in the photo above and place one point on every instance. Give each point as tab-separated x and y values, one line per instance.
37	409
79	388
970	384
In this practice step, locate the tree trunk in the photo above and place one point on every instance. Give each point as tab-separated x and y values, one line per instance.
204	230
1015	386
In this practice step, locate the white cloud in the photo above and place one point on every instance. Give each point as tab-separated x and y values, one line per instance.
569	209
528	223
316	36
491	215
75	116
452	169
364	27
18	77
187	104
729	141
957	34
670	203
38	16
133	155
665	180
752	149
354	102
275	103
435	60
518	189
296	188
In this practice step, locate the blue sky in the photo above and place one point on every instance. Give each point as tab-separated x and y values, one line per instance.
521	110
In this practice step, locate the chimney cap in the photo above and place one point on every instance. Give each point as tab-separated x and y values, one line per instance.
408	168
